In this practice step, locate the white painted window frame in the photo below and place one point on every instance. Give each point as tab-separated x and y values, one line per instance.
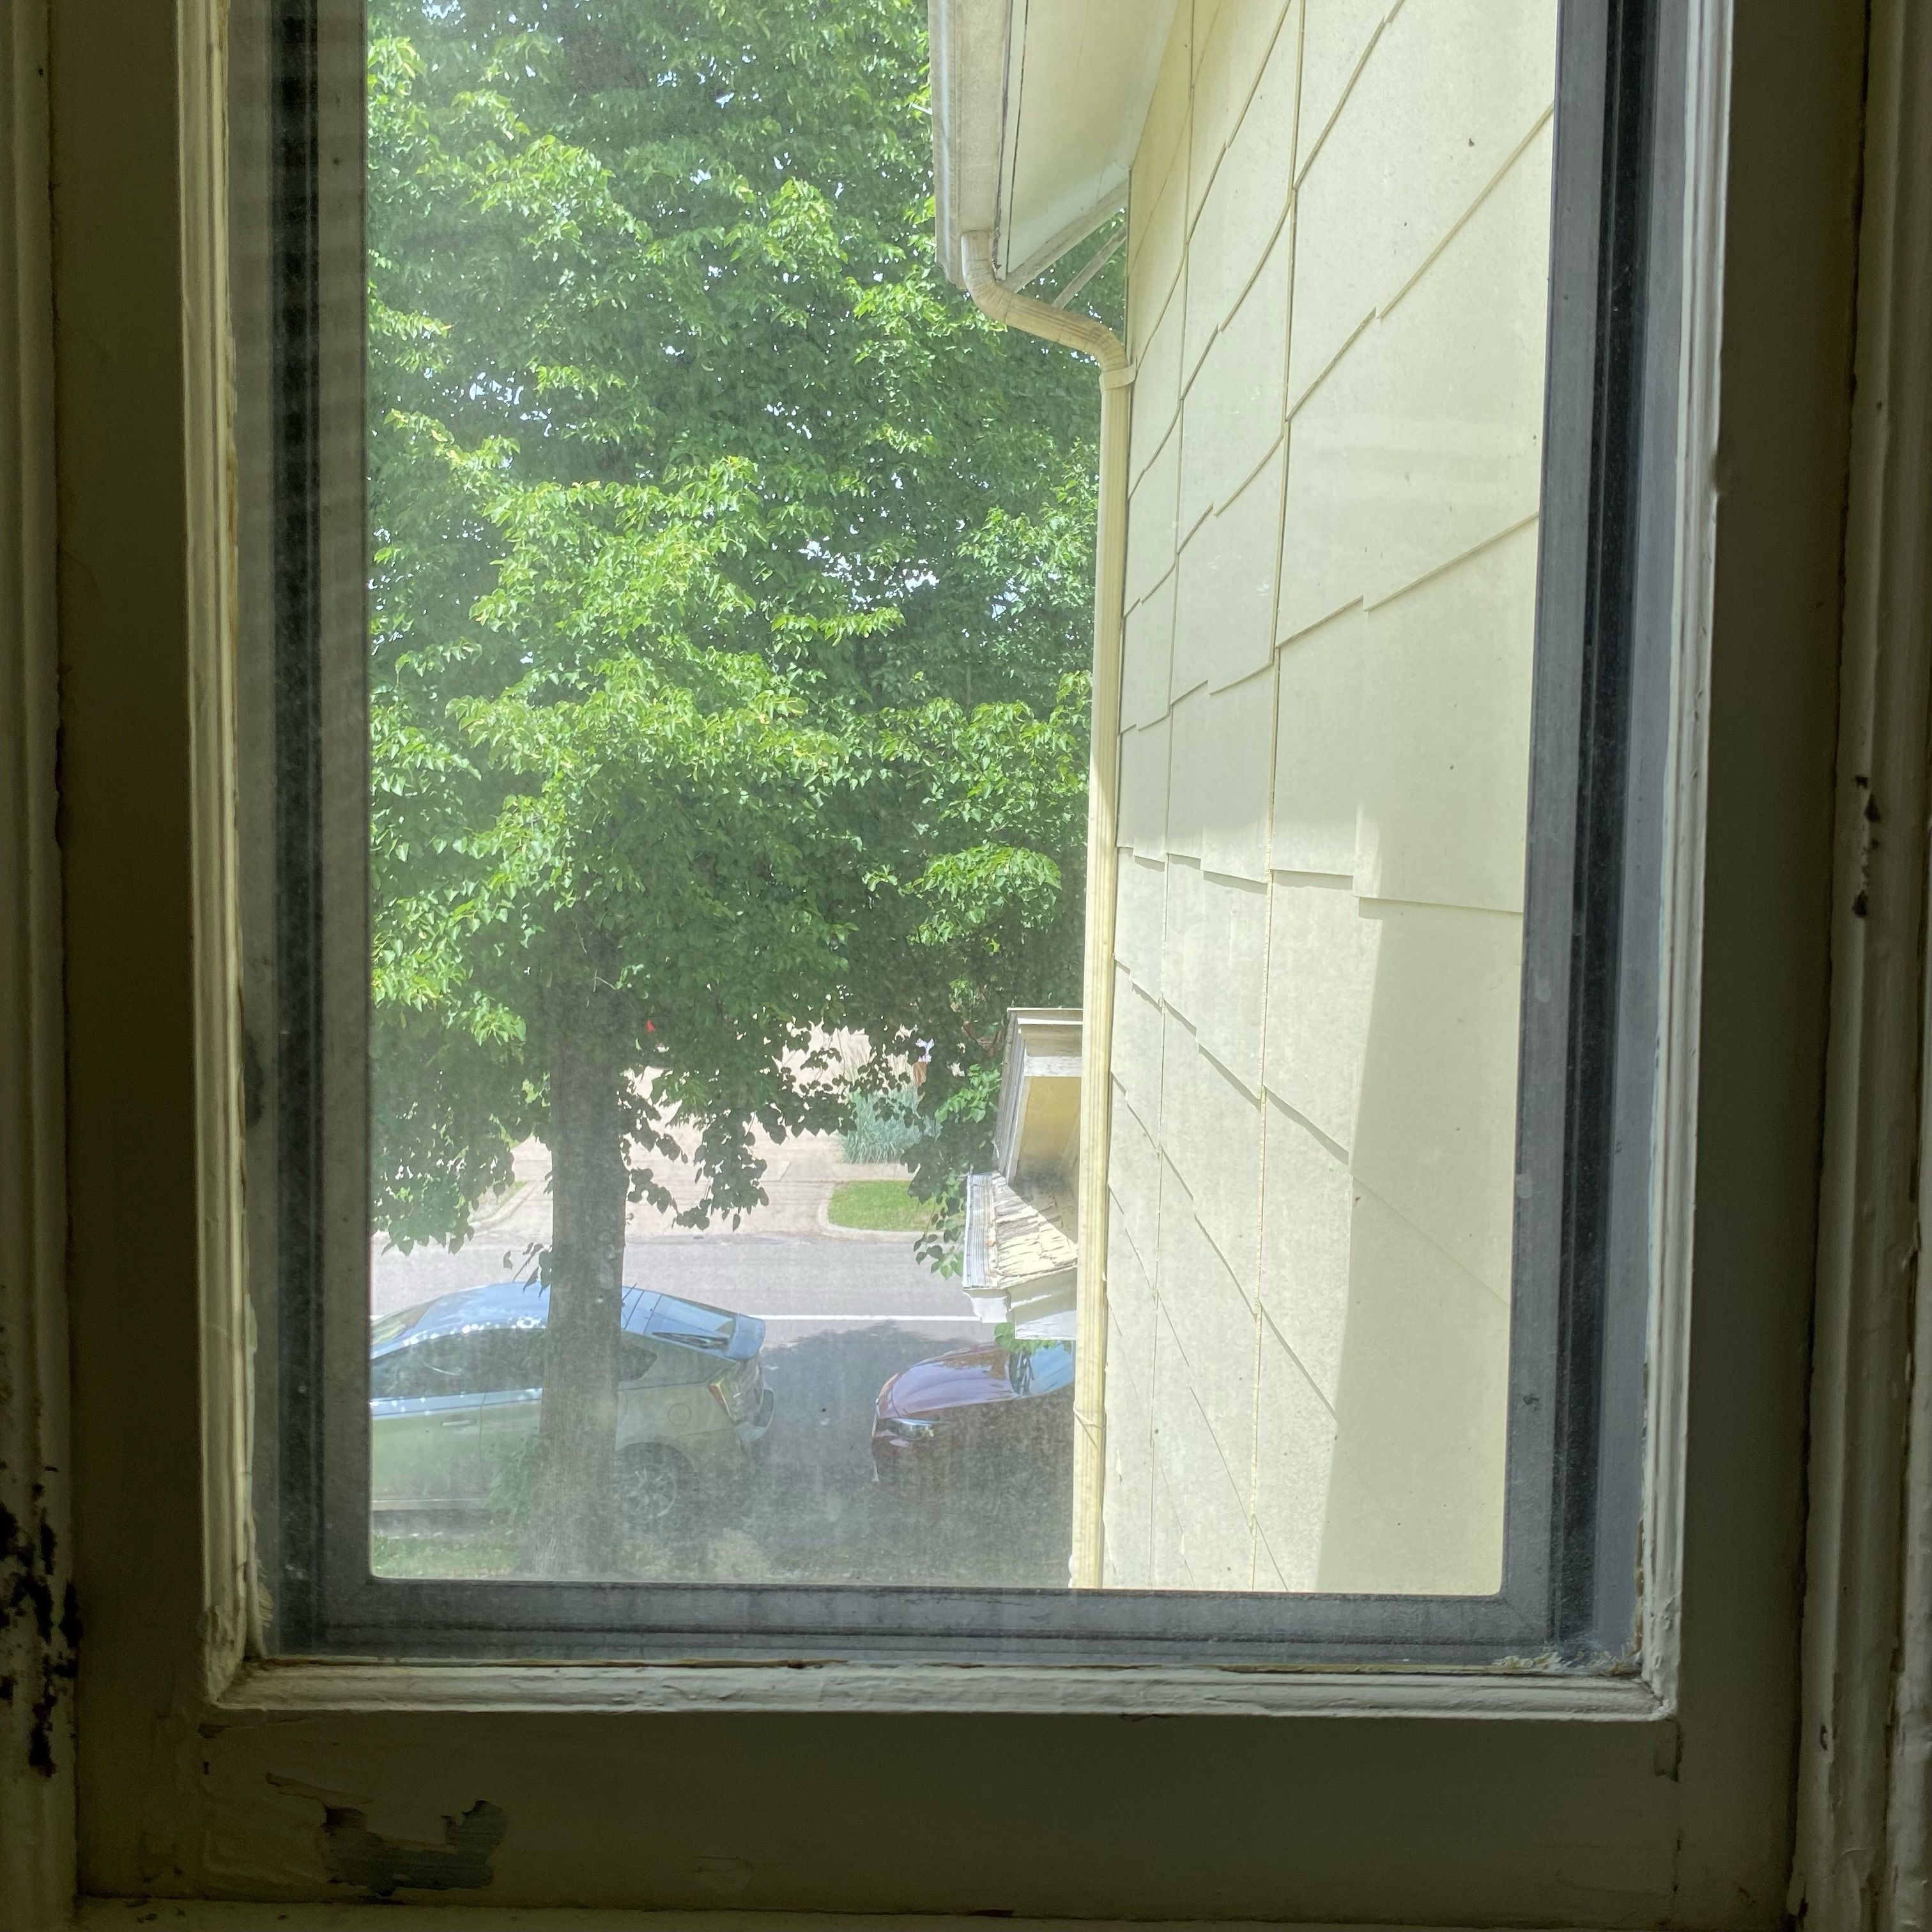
180	1728
1864	1794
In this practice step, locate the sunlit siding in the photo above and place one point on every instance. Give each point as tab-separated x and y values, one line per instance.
1336	295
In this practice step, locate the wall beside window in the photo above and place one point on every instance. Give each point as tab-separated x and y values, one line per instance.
1337	285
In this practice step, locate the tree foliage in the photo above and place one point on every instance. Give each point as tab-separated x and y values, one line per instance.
730	590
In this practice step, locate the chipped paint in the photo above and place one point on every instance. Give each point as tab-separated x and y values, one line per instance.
378	1867
382	1866
31	1589
39	1629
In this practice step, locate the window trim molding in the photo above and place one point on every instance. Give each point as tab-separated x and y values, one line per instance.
1667	1344
272	1687
37	1718
234	1620
1863	1854
154	1813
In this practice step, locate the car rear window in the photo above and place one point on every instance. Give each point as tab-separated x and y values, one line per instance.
690	1322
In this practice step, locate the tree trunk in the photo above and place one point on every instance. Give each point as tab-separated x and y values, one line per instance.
572	1530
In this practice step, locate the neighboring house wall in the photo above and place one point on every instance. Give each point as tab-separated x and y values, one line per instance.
1336	295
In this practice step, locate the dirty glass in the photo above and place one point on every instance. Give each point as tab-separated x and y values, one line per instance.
722	704
731	630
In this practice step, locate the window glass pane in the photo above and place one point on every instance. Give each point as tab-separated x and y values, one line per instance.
729	681
730	651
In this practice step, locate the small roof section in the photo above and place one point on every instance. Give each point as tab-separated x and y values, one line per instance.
1036	1135
1022	1250
1037	108
1020	1260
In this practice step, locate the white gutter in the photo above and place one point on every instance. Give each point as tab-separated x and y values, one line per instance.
968	41
1094	339
1037	109
1076	331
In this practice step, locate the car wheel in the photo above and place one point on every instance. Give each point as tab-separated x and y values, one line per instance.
656	1489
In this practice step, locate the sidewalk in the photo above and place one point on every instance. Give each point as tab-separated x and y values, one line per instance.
799	1177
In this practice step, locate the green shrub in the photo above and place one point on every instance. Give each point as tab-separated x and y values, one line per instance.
884	1126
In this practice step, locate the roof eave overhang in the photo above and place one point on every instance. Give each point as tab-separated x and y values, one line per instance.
1033	139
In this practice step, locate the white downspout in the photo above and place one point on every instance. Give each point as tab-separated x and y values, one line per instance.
1096	339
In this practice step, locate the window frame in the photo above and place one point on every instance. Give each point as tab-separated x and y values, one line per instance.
207	1767
1597	939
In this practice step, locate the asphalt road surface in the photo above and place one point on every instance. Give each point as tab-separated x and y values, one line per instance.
797	1283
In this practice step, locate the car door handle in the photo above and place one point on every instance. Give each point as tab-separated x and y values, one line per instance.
459	1422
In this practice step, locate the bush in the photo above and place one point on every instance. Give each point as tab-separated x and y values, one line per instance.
884	1126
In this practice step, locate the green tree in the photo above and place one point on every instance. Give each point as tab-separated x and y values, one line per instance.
730	589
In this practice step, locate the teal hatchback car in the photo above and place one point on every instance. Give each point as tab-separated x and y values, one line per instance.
456	1389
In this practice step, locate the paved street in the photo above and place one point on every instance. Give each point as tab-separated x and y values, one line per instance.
798	1283
784	1261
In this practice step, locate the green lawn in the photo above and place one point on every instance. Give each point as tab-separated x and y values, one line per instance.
488	1555
490	1551
887	1204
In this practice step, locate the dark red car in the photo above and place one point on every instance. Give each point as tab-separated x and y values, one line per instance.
996	1417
